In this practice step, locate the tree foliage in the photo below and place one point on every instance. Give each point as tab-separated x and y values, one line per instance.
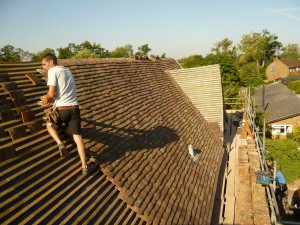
123	51
191	61
248	75
291	51
225	47
294	86
143	50
83	50
85	53
9	53
39	56
285	152
258	48
296	134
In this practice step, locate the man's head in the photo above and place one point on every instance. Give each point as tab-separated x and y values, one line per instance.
49	61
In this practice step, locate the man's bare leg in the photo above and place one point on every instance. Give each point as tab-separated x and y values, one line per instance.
80	147
54	134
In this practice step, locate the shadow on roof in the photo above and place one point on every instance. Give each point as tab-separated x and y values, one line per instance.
118	141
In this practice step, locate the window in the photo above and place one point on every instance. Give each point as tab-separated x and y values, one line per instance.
281	129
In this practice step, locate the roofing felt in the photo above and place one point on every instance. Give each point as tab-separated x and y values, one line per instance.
291	63
280	102
203	86
138	122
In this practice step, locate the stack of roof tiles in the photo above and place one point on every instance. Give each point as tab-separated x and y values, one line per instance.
137	121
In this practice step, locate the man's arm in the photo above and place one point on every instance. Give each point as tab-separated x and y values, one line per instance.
49	98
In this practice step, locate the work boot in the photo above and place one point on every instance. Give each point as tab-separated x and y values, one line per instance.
62	150
88	169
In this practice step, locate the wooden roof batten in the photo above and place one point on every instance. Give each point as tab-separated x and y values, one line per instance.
138	122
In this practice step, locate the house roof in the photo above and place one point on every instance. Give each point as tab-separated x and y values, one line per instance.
203	86
139	124
291	63
280	101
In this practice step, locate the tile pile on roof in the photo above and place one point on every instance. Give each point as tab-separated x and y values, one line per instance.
280	102
138	122
203	86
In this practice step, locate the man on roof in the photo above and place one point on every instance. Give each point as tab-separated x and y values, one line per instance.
62	93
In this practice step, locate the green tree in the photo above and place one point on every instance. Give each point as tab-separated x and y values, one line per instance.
291	51
248	75
39	56
73	50
191	61
258	48
94	48
9	53
26	56
296	134
85	53
225	47
294	86
285	152
228	68
123	51
67	52
143	50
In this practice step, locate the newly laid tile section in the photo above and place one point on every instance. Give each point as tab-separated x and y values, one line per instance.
139	123
151	102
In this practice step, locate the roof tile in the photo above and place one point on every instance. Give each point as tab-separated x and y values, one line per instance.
139	123
280	102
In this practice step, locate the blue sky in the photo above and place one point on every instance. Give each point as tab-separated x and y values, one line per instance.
179	28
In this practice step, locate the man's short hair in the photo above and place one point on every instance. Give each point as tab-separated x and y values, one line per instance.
50	56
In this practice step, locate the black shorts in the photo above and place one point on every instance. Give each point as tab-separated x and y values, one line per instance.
71	119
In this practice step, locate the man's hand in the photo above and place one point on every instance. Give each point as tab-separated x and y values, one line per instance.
45	101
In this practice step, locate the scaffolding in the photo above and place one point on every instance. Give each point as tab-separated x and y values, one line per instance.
249	116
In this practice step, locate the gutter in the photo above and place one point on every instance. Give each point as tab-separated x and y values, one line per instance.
283	118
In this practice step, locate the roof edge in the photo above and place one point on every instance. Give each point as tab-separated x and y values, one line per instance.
86	61
71	62
283	118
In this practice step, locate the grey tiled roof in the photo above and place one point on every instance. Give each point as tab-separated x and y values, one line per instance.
139	124
281	102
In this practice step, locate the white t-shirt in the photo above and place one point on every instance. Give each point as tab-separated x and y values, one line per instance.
63	80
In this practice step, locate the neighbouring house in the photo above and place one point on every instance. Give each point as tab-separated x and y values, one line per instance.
282	106
204	88
139	124
281	68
